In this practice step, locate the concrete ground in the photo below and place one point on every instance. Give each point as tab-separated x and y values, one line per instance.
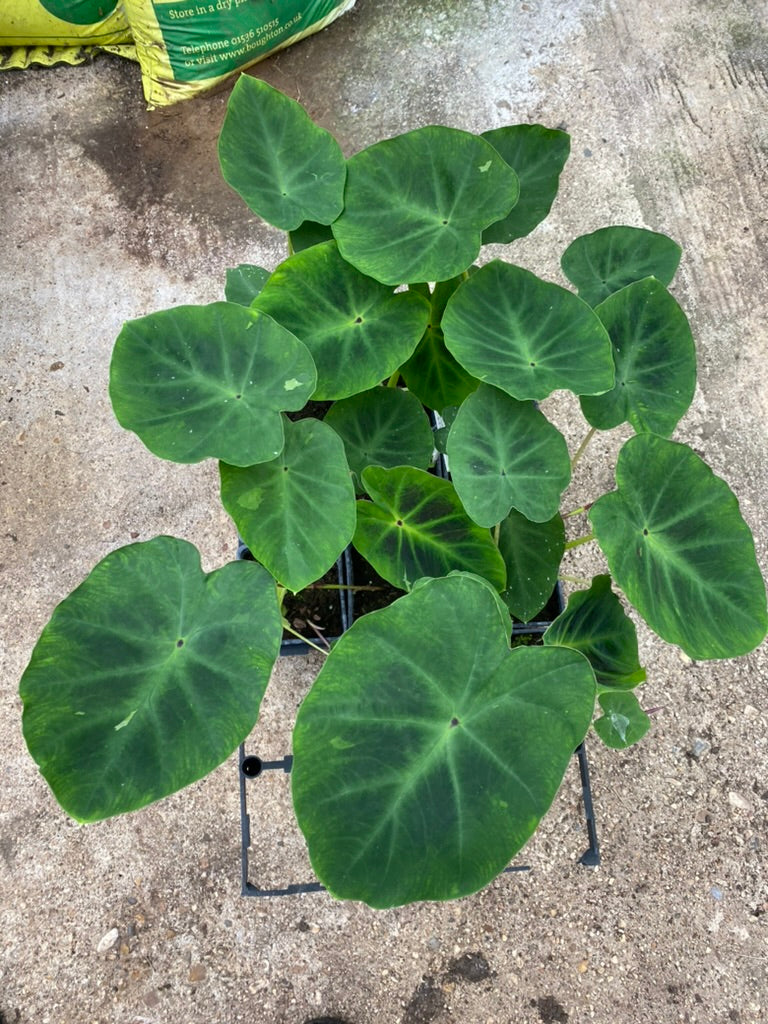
110	212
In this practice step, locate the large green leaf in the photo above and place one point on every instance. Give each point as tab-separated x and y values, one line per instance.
198	382
382	427
427	752
678	547
506	454
532	553
415	206
148	676
595	624
416	526
244	283
285	167
527	336
296	514
432	374
537	155
606	260
358	331
623	723
655	361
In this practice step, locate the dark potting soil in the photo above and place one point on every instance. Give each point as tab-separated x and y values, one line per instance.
316	410
315	612
364	601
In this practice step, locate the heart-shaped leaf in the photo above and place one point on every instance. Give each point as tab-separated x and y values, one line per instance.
148	676
532	553
432	374
416	526
506	454
595	624
678	547
285	167
606	260
382	427
624	721
655	361
527	336
537	155
296	514
358	331
244	283
415	206
199	382
427	752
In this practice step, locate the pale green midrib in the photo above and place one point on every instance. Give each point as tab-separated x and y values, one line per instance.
415	776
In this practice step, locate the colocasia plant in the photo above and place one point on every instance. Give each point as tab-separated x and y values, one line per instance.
429	747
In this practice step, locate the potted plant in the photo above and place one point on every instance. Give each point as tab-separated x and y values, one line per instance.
428	749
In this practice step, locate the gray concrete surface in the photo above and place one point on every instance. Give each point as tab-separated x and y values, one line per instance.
109	212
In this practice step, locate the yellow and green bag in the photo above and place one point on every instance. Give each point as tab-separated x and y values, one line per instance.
188	46
56	31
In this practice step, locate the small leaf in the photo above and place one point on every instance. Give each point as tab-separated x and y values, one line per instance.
416	526
442	433
532	553
244	283
655	361
382	427
624	721
148	676
296	514
357	330
527	336
601	263
199	382
427	752
432	373
537	155
595	624
678	547
415	206
286	168
505	454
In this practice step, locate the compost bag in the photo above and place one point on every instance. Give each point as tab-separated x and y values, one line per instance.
187	46
184	47
54	31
